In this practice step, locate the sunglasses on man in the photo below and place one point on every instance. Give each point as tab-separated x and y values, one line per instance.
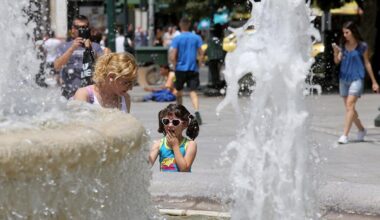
80	26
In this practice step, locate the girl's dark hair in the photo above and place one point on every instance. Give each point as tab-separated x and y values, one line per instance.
165	66
350	25
96	35
182	113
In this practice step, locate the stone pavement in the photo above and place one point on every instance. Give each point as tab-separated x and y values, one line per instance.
349	174
350	177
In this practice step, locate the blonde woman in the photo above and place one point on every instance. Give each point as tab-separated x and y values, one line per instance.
114	76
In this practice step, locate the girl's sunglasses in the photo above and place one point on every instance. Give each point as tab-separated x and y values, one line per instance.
175	122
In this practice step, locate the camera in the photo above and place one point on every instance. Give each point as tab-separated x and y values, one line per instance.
84	33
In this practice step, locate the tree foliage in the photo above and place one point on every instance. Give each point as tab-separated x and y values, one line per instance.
197	8
200	8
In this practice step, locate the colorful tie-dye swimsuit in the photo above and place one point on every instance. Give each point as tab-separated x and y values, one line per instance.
167	159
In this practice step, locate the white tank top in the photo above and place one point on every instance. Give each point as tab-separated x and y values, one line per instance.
94	100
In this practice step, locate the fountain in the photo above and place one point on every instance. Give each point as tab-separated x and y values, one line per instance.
62	160
271	175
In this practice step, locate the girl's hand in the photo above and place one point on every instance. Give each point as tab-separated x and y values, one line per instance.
375	87
87	43
77	43
171	139
337	53
154	151
336	48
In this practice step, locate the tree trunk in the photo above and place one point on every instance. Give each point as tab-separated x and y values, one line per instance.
370	26
376	56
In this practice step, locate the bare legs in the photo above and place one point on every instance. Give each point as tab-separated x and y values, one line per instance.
193	96
179	97
194	101
351	115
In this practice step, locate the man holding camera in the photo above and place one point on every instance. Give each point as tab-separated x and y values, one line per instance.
70	59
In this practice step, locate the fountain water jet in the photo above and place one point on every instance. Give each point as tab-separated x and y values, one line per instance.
271	175
62	160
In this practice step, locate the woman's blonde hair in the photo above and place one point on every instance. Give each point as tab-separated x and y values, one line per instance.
122	64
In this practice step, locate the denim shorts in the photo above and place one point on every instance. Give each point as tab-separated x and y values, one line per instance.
353	88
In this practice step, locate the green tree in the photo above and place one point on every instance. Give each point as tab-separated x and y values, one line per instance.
197	9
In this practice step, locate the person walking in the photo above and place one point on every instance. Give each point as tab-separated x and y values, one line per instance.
70	56
128	40
215	55
140	38
354	60
96	37
186	48
119	40
168	36
50	46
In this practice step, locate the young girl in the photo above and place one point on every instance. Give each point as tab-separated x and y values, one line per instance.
115	74
176	152
354	60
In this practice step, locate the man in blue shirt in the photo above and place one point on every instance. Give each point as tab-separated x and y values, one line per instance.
70	56
185	49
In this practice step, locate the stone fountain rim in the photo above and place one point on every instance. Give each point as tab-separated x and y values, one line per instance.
30	152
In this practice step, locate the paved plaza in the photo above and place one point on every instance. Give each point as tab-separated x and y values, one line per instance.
348	174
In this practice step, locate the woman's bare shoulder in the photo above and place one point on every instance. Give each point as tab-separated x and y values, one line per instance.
81	94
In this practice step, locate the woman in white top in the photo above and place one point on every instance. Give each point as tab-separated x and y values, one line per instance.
114	76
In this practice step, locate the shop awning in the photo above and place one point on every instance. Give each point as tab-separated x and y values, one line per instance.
350	8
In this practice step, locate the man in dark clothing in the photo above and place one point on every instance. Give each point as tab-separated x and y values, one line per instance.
70	57
215	55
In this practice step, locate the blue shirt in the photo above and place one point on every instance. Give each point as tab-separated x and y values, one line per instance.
352	65
187	45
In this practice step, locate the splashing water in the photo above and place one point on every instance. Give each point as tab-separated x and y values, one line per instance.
19	62
271	175
21	100
46	173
